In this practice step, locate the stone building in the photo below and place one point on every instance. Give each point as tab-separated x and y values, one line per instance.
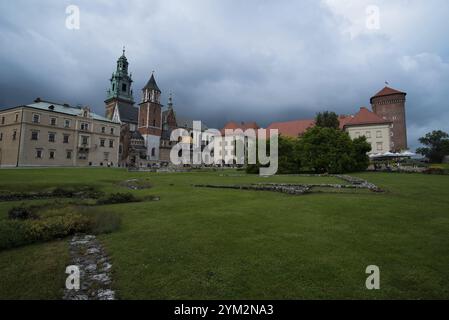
56	135
389	104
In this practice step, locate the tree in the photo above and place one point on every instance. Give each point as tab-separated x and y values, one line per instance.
329	150
360	149
437	143
327	120
288	160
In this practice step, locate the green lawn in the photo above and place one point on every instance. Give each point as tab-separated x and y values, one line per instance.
199	243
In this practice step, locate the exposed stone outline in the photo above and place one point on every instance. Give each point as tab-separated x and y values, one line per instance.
298	189
95	270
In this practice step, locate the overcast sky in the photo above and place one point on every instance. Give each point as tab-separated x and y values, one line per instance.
253	60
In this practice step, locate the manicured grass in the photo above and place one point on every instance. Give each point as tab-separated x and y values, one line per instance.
230	244
34	272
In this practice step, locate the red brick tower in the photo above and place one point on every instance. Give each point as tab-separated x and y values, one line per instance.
150	118
389	104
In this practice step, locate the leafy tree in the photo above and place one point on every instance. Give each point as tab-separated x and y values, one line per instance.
327	119
329	150
437	143
288	160
288	155
360	149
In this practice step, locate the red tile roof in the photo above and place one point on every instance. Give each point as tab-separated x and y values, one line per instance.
292	128
387	91
364	116
243	126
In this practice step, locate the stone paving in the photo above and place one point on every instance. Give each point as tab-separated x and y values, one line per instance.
95	270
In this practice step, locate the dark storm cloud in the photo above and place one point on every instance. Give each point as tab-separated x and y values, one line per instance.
233	60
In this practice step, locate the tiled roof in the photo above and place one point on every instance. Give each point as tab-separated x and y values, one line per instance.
243	126
63	108
364	116
292	128
387	91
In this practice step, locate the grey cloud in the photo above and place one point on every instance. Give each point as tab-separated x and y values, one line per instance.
233	60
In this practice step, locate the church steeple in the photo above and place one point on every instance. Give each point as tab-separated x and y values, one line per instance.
121	81
151	92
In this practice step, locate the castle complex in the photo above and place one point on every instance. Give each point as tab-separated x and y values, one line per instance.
45	133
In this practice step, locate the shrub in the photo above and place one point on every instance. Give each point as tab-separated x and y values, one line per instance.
12	234
116	198
57	227
21	213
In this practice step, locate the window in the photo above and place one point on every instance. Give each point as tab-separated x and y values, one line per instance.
153	152
368	134
124	87
111	143
39	153
106	156
52	154
84	126
84	140
69	154
67	123
3	120
14	135
17	117
51	137
66	138
1	136
82	156
103	129
53	121
35	135
112	130
154	122
102	141
36	118
379	146
378	134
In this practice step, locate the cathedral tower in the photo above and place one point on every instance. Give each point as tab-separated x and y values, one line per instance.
120	92
389	104
150	118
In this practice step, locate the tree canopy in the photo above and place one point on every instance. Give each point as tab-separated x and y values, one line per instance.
437	146
327	119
